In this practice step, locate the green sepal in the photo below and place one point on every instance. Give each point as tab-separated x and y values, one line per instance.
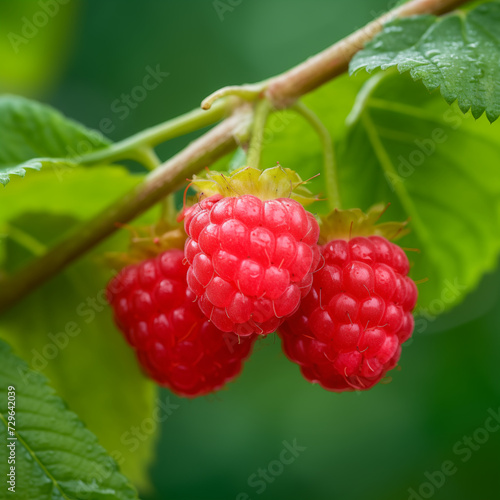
274	182
146	242
346	224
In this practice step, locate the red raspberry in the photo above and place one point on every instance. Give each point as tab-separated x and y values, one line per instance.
348	331
251	260
175	343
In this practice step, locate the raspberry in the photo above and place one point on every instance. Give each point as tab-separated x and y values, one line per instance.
251	260
348	331
174	342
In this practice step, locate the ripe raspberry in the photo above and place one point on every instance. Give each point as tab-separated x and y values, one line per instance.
174	342
348	331
251	260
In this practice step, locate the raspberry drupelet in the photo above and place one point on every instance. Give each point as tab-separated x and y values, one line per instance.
348	331
175	343
251	259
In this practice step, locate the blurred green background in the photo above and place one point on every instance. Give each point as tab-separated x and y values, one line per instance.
374	445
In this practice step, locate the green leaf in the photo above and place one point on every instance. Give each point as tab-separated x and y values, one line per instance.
59	165
34	134
438	168
67	189
95	371
20	170
291	141
458	53
55	455
454	193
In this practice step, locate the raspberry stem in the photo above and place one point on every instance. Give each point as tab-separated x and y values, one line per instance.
262	110
284	89
249	92
329	162
168	212
23	239
140	146
149	158
157	184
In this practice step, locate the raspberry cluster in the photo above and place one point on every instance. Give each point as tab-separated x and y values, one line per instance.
252	265
251	261
348	331
175	342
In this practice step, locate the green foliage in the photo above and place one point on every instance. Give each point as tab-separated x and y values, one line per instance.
56	456
34	57
458	53
76	191
439	169
291	141
392	433
33	134
94	370
394	143
20	170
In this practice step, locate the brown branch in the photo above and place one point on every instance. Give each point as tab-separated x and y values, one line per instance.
282	90
170	176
